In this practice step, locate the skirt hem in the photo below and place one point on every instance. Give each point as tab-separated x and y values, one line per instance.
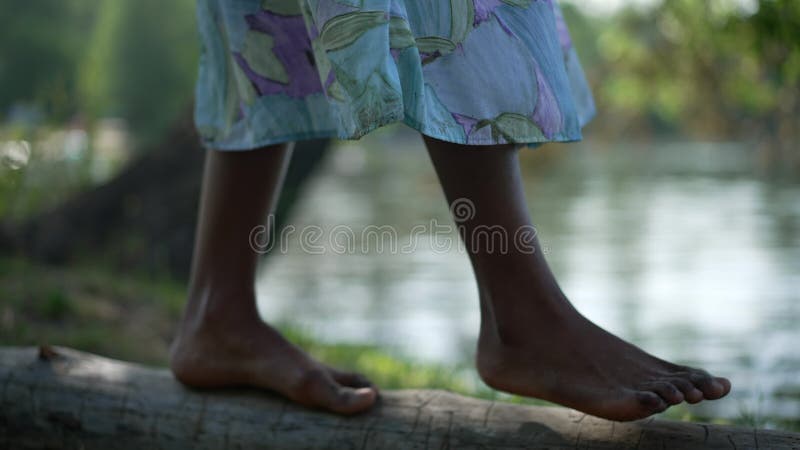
407	120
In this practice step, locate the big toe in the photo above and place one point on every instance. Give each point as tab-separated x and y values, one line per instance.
650	403
667	391
319	389
630	405
349	400
351	379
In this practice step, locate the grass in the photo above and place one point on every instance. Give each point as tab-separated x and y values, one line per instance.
132	317
88	308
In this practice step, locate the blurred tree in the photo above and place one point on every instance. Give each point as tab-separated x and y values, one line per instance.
144	218
713	69
140	64
40	43
135	60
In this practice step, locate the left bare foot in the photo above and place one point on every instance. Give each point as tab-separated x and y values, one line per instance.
220	351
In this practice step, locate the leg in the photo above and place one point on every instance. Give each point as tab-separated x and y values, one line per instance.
532	340
221	340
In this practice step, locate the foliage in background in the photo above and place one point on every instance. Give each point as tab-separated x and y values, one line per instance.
98	58
40	44
140	63
710	69
717	69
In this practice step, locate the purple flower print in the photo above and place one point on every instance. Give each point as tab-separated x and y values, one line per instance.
292	47
483	9
466	122
547	115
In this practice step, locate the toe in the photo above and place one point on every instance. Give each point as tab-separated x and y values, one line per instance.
726	385
711	388
349	400
667	391
351	379
626	404
319	389
651	402
690	393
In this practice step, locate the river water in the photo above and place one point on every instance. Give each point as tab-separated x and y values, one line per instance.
681	248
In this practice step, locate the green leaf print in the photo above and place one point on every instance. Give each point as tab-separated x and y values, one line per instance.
511	125
283	7
231	94
244	87
324	68
430	44
257	51
518	3
400	35
344	83
462	16
355	3
345	29
336	92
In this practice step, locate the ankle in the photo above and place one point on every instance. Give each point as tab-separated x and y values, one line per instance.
209	308
514	316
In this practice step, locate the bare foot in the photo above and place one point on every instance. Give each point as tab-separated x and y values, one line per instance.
244	351
555	354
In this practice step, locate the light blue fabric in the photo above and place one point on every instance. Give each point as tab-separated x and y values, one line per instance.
477	72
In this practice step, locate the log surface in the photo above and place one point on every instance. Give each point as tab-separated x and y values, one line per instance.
62	398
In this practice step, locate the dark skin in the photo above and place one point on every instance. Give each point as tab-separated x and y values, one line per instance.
532	341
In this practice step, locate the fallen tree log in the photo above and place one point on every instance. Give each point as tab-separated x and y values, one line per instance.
62	398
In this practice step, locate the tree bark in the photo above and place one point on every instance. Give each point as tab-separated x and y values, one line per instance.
62	398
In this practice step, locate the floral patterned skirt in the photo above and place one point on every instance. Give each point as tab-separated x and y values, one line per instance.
476	72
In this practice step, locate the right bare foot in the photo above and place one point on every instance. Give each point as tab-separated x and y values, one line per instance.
556	354
223	350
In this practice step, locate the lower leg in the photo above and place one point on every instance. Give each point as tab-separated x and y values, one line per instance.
532	340
221	340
